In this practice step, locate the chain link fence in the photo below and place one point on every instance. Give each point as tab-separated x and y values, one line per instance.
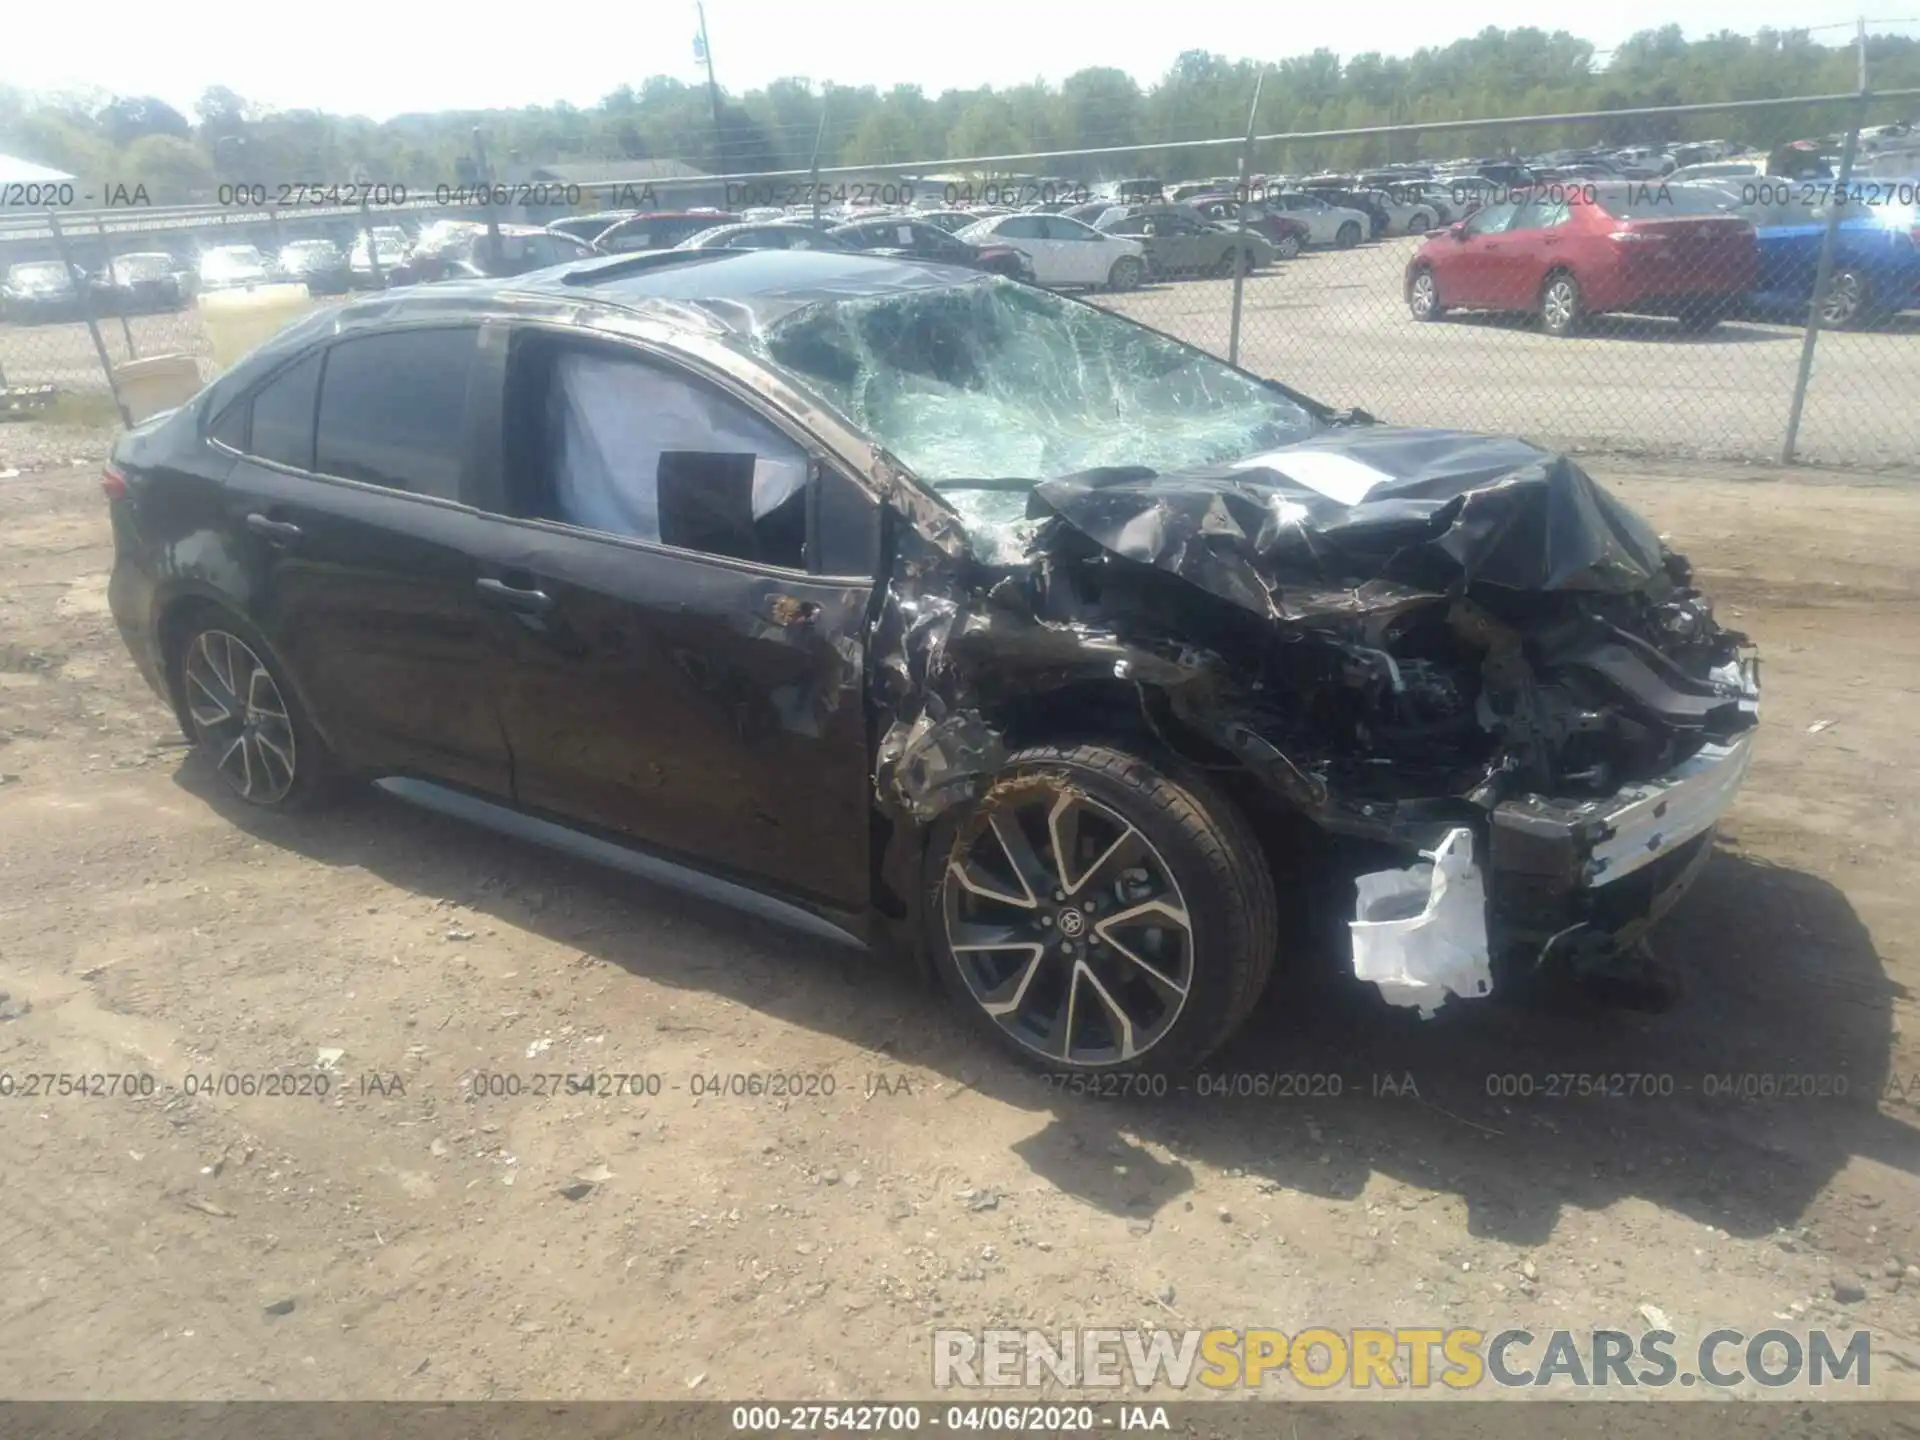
1485	275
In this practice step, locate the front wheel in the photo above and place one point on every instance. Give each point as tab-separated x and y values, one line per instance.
1561	311
1423	295
1097	913
1847	302
1348	236
1126	274
1287	247
1419	222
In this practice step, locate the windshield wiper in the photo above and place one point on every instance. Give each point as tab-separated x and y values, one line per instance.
1002	483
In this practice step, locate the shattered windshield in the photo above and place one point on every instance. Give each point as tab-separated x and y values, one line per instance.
984	389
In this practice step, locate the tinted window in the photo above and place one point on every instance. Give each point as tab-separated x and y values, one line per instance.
283	415
1541	214
1493	219
638	238
392	409
1059	227
1022	227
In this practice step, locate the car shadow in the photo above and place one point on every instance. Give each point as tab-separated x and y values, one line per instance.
1640	328
1724	1109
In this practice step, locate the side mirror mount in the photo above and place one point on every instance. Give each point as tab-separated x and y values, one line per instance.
1458	229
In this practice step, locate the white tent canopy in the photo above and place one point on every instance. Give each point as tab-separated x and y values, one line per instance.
15	171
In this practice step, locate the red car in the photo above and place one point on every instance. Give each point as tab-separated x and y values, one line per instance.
1565	252
1287	235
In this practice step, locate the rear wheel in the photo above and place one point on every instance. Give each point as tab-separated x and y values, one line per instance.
1423	295
1348	236
243	717
1287	247
1097	913
1126	274
1419	223
1561	311
1224	266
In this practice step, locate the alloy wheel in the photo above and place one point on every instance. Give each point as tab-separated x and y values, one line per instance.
1560	306
1845	293
1421	299
1068	927
240	717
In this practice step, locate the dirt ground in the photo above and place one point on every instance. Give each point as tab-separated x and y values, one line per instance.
401	1237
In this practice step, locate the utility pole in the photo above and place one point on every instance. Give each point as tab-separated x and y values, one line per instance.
704	52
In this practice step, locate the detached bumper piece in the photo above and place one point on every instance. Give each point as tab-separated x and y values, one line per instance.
1576	881
1420	934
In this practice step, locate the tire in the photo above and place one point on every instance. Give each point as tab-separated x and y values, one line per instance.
1849	299
1419	223
1184	953
1224	266
1126	274
1701	318
1423	295
265	751
1287	247
1348	235
1561	312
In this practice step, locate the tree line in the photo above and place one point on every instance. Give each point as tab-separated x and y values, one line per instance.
789	123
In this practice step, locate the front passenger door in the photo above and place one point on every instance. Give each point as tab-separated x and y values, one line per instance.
683	594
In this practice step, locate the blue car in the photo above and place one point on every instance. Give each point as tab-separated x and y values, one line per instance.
1876	256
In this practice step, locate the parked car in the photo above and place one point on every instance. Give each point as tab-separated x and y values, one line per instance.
1406	214
1287	234
589	227
1326	224
460	250
1184	244
390	246
757	605
658	230
1719	170
912	238
1378	217
1876	255
41	290
232	267
767	235
141	283
1572	253
320	265
1063	251
951	221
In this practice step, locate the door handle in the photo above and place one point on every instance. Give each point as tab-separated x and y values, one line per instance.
278	532
528	602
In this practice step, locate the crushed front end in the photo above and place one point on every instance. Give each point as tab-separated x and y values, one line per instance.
1456	645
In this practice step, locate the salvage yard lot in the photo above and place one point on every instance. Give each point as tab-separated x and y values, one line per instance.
419	1232
1335	324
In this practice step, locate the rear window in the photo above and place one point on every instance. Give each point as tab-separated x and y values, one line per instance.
1661	202
283	415
393	408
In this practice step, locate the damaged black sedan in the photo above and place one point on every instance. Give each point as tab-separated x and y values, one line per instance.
951	615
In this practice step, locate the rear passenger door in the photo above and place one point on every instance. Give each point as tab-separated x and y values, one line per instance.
682	590
346	501
1535	244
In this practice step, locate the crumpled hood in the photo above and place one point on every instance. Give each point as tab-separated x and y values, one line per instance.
1365	518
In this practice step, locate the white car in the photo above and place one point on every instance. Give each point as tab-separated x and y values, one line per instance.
1407	214
1065	252
1326	224
1720	170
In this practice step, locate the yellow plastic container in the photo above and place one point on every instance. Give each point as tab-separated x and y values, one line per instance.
156	383
238	320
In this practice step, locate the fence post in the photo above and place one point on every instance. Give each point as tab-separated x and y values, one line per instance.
813	177
1246	203
106	248
485	167
93	326
1823	270
373	250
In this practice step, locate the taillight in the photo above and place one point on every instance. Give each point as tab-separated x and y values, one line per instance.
113	483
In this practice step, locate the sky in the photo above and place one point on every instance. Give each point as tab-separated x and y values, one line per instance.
382	59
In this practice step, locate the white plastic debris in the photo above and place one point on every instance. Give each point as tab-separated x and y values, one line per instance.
1420	934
